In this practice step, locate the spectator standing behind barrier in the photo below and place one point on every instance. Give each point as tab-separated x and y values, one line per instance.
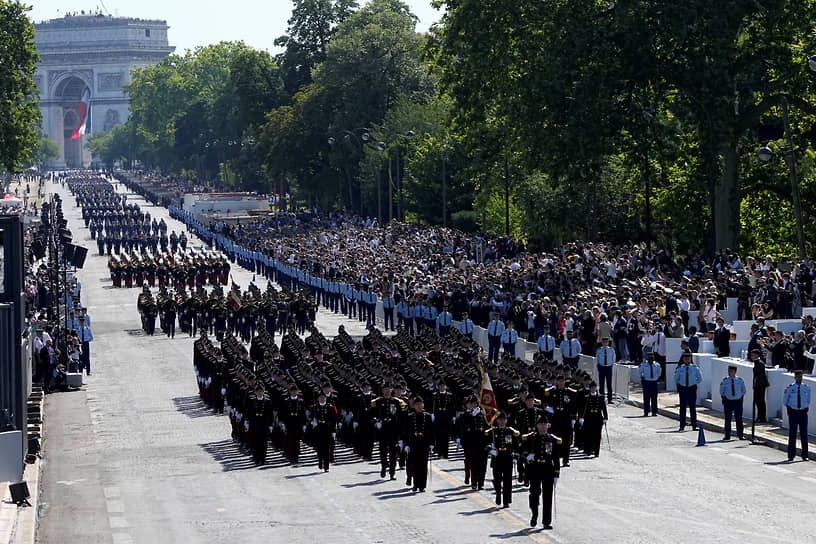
722	339
797	402
732	391
687	377
761	384
605	358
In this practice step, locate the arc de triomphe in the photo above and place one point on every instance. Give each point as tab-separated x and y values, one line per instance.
96	52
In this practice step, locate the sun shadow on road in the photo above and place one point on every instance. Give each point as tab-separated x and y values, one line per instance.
521	532
192	407
230	455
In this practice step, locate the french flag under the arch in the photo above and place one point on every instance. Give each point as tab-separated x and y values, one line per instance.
82	111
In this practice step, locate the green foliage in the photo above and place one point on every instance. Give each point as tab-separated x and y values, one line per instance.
45	152
19	112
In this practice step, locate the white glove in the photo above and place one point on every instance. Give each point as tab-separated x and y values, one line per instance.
378	425
314	422
304	428
515	461
453	419
339	426
334	435
581	421
270	429
283	427
549	409
530	458
431	448
458	443
475	411
349	417
493	452
308	413
555	482
354	425
223	391
407	449
400	444
246	425
433	418
604	422
572	423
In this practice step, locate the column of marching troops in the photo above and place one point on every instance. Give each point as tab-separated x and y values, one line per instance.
412	396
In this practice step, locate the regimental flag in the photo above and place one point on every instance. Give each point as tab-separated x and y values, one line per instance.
82	111
235	301
487	400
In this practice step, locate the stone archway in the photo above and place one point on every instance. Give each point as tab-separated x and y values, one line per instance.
67	95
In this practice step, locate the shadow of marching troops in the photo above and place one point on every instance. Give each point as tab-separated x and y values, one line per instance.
396	402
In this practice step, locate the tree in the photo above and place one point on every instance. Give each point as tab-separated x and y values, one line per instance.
19	111
46	151
311	27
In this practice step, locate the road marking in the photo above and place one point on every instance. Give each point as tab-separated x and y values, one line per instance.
122	538
112	492
516	522
743	457
118	523
71	482
778	469
115	507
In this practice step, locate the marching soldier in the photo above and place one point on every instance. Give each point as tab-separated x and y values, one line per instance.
540	449
387	409
364	423
592	420
503	444
444	416
293	411
257	424
472	426
418	442
324	429
524	421
561	404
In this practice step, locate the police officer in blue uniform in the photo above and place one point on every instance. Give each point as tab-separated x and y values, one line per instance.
687	377
797	401
605	359
732	391
649	371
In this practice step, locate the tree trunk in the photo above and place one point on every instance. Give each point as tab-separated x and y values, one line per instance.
727	200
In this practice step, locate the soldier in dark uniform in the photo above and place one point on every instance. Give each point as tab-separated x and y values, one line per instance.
259	417
593	418
418	441
524	421
324	429
561	404
502	442
293	416
541	451
472	426
444	416
386	420
363	424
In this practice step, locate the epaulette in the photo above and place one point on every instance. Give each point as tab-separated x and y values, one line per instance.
515	432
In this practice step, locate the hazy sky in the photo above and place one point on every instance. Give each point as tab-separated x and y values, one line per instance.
202	22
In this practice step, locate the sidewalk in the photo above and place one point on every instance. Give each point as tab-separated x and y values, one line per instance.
771	434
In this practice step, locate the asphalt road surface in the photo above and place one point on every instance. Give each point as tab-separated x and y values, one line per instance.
136	457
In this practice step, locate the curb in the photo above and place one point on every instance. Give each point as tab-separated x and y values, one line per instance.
712	424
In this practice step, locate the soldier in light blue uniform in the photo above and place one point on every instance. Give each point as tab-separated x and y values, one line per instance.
649	371
444	320
732	391
466	326
797	401
509	338
605	359
388	311
546	345
687	377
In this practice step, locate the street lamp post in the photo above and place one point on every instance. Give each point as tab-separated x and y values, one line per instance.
506	196
362	139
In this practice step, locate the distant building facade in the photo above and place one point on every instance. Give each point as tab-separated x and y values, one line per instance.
98	53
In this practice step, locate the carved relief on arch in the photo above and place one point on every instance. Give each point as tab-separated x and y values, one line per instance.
111	120
109	81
